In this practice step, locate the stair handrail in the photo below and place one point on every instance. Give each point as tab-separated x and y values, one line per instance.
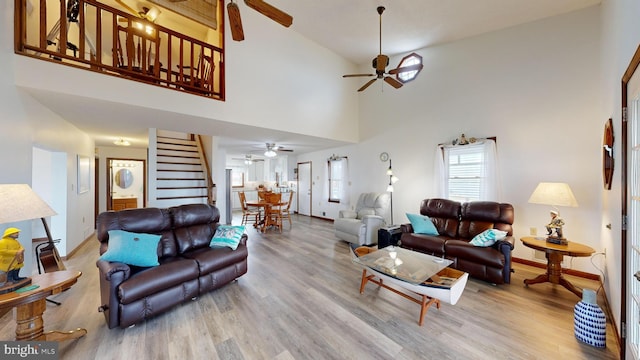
204	162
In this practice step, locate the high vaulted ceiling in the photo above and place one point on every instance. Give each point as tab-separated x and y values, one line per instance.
350	29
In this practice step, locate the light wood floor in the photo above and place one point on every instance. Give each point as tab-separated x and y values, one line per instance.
300	300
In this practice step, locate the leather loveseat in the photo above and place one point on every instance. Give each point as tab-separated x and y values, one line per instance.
457	224
188	266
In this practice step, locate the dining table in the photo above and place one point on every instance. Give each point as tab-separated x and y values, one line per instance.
264	222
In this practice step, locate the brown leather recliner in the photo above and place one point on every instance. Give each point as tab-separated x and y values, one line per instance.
188	266
457	224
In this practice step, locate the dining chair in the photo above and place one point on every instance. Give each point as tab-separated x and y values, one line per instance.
248	215
286	212
273	213
198	78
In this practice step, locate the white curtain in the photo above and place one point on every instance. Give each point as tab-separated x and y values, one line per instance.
440	183
345	194
489	186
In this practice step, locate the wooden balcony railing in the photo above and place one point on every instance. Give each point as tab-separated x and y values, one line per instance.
96	37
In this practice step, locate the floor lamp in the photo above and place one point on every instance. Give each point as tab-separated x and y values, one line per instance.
18	202
392	180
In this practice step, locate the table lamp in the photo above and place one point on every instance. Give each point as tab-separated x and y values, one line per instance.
554	194
18	202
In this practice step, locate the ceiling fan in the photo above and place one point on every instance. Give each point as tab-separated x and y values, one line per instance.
272	148
380	63
235	23
147	12
248	159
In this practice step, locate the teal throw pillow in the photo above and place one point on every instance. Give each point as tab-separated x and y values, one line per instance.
488	237
227	235
422	224
132	248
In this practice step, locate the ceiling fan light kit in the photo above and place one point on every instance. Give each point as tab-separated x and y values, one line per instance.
380	63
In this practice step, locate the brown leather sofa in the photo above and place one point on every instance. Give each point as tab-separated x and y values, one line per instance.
457	223
188	266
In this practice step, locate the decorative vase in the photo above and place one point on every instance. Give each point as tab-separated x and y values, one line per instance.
589	321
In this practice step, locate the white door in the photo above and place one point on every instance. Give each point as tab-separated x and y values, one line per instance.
633	223
304	188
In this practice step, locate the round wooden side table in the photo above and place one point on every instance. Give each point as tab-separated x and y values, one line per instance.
31	305
554	254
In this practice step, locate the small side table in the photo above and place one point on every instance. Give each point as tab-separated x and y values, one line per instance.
32	304
554	254
389	235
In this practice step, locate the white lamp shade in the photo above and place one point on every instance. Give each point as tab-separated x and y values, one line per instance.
552	193
18	202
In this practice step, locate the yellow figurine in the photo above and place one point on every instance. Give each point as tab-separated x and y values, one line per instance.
11	254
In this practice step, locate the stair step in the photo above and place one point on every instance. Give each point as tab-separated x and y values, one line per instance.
181	142
182	197
177	160
177	147
181	193
172	134
179	167
173	183
178	153
165	203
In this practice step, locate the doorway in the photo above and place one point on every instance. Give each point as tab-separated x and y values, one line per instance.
630	234
126	183
304	188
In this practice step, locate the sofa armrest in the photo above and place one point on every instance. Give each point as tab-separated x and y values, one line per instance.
505	246
406	228
112	274
508	242
243	239
111	270
347	214
372	223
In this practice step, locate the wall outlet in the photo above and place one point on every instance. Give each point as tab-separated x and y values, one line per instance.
533	231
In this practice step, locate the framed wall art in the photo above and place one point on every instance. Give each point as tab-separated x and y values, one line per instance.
84	174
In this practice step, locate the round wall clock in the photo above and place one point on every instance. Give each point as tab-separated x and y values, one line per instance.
384	156
607	154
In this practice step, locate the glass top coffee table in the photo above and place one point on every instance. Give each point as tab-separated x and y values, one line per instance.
407	265
427	276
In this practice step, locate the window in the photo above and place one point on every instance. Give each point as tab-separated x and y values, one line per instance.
468	172
237	177
337	179
464	174
412	60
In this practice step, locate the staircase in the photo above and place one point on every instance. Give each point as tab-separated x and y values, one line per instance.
181	170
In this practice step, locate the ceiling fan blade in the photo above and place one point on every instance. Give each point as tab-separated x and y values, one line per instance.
367	84
129	8
356	75
235	22
382	62
415	67
393	82
271	12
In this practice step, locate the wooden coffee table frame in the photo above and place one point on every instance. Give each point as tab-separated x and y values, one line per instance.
30	305
425	301
554	254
